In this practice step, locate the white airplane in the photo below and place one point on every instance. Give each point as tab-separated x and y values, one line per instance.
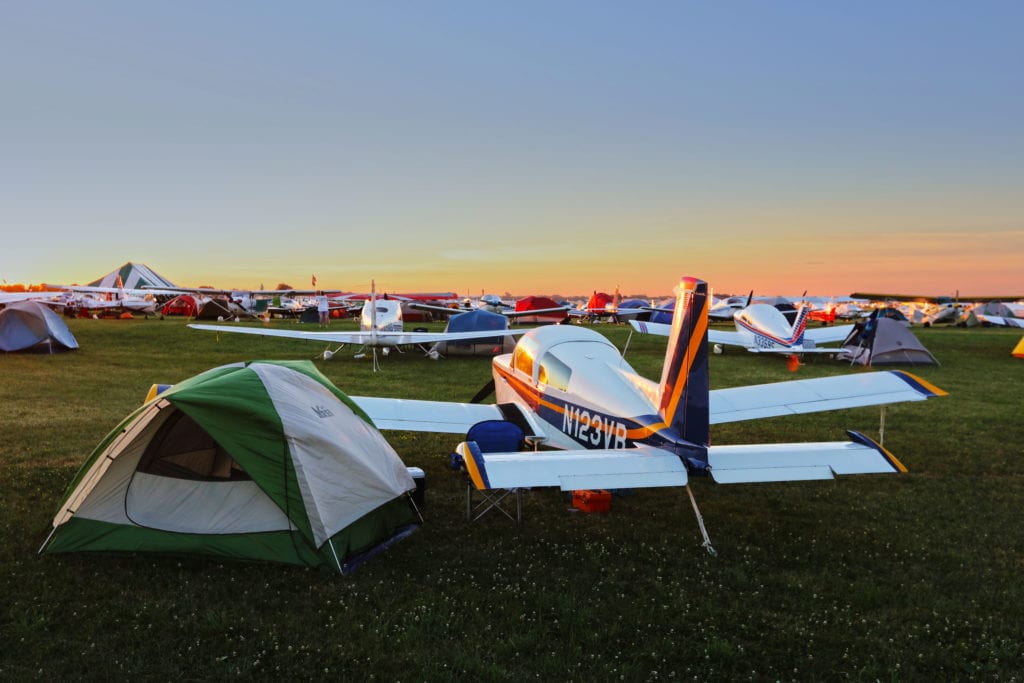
762	328
42	297
251	303
570	388
94	300
380	327
487	302
725	309
492	303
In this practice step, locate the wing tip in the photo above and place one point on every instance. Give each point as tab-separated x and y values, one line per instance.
857	437
474	462
922	385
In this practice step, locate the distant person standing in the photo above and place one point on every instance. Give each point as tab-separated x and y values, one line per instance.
323	308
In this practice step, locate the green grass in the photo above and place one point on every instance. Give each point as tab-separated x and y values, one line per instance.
905	577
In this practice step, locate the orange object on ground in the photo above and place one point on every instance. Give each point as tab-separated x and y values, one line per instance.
592	501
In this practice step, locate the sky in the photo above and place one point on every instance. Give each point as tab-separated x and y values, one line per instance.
527	147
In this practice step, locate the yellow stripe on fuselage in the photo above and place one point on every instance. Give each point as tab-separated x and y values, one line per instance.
535	398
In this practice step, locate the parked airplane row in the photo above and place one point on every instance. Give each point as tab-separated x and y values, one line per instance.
571	389
106	301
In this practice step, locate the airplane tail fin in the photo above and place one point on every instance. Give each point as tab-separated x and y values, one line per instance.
684	391
800	324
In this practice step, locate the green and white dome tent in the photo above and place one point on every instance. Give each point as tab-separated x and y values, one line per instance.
265	460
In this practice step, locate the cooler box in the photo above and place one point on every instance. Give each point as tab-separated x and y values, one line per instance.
592	501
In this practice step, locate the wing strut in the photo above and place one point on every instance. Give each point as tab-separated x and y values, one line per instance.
485	391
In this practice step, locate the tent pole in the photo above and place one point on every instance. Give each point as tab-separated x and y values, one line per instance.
47	541
330	542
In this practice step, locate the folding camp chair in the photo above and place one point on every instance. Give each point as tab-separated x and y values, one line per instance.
494	436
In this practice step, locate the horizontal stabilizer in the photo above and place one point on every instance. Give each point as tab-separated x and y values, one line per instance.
800	461
574	470
819	394
799	350
658	329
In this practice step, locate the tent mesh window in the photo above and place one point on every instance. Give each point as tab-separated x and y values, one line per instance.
181	449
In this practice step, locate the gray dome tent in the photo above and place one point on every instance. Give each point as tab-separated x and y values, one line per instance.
32	326
884	341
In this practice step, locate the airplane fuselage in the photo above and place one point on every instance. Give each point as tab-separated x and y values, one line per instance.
381	315
582	389
765	327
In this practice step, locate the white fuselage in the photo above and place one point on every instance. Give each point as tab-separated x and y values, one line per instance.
381	315
577	382
765	327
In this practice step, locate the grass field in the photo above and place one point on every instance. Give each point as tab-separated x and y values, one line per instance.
910	577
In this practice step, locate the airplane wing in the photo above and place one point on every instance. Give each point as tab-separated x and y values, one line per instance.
792	397
816	395
746	464
714	336
426	416
658	329
726	337
830	333
535	311
11	297
437	309
382	338
573	470
1000	320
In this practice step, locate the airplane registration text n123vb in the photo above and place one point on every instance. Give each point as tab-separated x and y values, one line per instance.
593	429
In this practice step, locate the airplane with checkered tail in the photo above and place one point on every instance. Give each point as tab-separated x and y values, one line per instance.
570	388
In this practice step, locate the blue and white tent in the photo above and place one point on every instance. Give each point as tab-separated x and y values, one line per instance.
474	321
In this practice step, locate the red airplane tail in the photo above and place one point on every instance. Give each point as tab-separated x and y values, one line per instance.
684	395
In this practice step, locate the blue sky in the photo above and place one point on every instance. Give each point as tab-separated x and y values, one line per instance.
526	147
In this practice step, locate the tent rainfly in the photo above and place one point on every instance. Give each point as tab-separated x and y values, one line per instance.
32	326
262	460
475	321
